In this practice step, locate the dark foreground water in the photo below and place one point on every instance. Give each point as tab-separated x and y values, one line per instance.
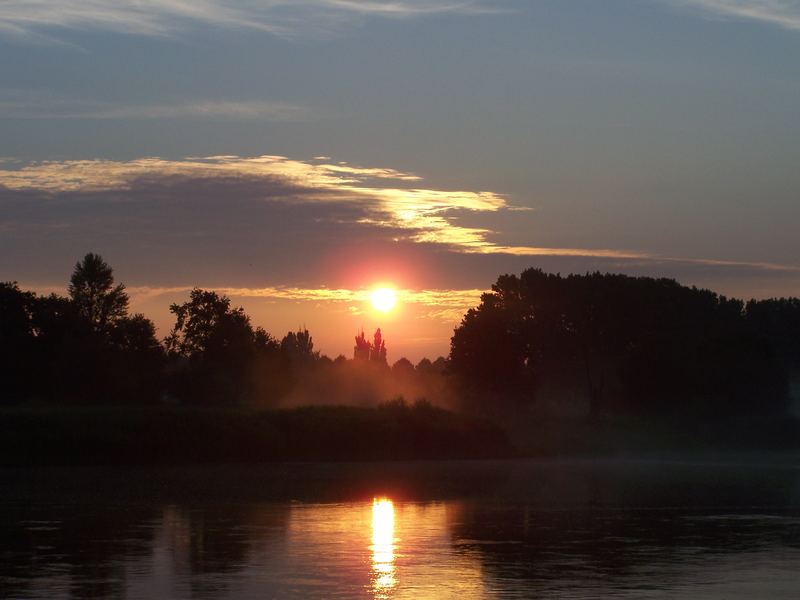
426	530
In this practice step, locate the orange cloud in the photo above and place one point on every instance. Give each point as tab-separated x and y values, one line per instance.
446	304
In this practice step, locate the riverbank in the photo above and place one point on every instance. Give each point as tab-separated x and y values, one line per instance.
165	435
189	435
657	437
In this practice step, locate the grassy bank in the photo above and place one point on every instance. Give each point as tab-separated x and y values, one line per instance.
189	435
657	437
178	435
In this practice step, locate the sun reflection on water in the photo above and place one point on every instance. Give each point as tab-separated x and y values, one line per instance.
383	568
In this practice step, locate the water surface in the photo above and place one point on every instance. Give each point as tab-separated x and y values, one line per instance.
404	530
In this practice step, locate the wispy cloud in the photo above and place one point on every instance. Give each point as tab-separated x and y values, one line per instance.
24	104
409	8
94	175
439	298
445	305
416	214
448	306
782	13
285	18
361	202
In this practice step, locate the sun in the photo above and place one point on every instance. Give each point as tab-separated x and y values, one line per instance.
383	299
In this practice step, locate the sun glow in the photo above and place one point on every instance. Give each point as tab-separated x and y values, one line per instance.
383	299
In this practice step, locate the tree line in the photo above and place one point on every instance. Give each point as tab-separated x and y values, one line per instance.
627	345
87	347
609	344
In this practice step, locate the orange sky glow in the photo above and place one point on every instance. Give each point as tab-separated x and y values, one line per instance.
304	243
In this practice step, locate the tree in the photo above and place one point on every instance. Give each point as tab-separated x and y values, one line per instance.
136	334
15	312
777	320
378	349
17	341
220	345
207	328
374	352
138	358
299	348
424	366
362	349
96	298
624	344
403	368
439	365
105	354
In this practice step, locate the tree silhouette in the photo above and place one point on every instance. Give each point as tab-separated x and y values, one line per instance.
619	344
378	350
424	365
299	348
403	368
92	289
17	340
362	349
777	320
135	334
626	344
105	354
220	345
138	358
206	326
84	348
374	352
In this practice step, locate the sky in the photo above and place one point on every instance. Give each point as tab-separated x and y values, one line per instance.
295	154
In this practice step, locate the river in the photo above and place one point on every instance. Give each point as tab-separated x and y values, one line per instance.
508	529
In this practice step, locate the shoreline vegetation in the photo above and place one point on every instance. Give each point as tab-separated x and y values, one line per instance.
396	431
130	435
582	366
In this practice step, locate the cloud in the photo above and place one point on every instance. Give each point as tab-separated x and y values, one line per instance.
19	104
108	175
301	242
369	196
447	305
782	13
446	302
285	18
230	206
413	214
